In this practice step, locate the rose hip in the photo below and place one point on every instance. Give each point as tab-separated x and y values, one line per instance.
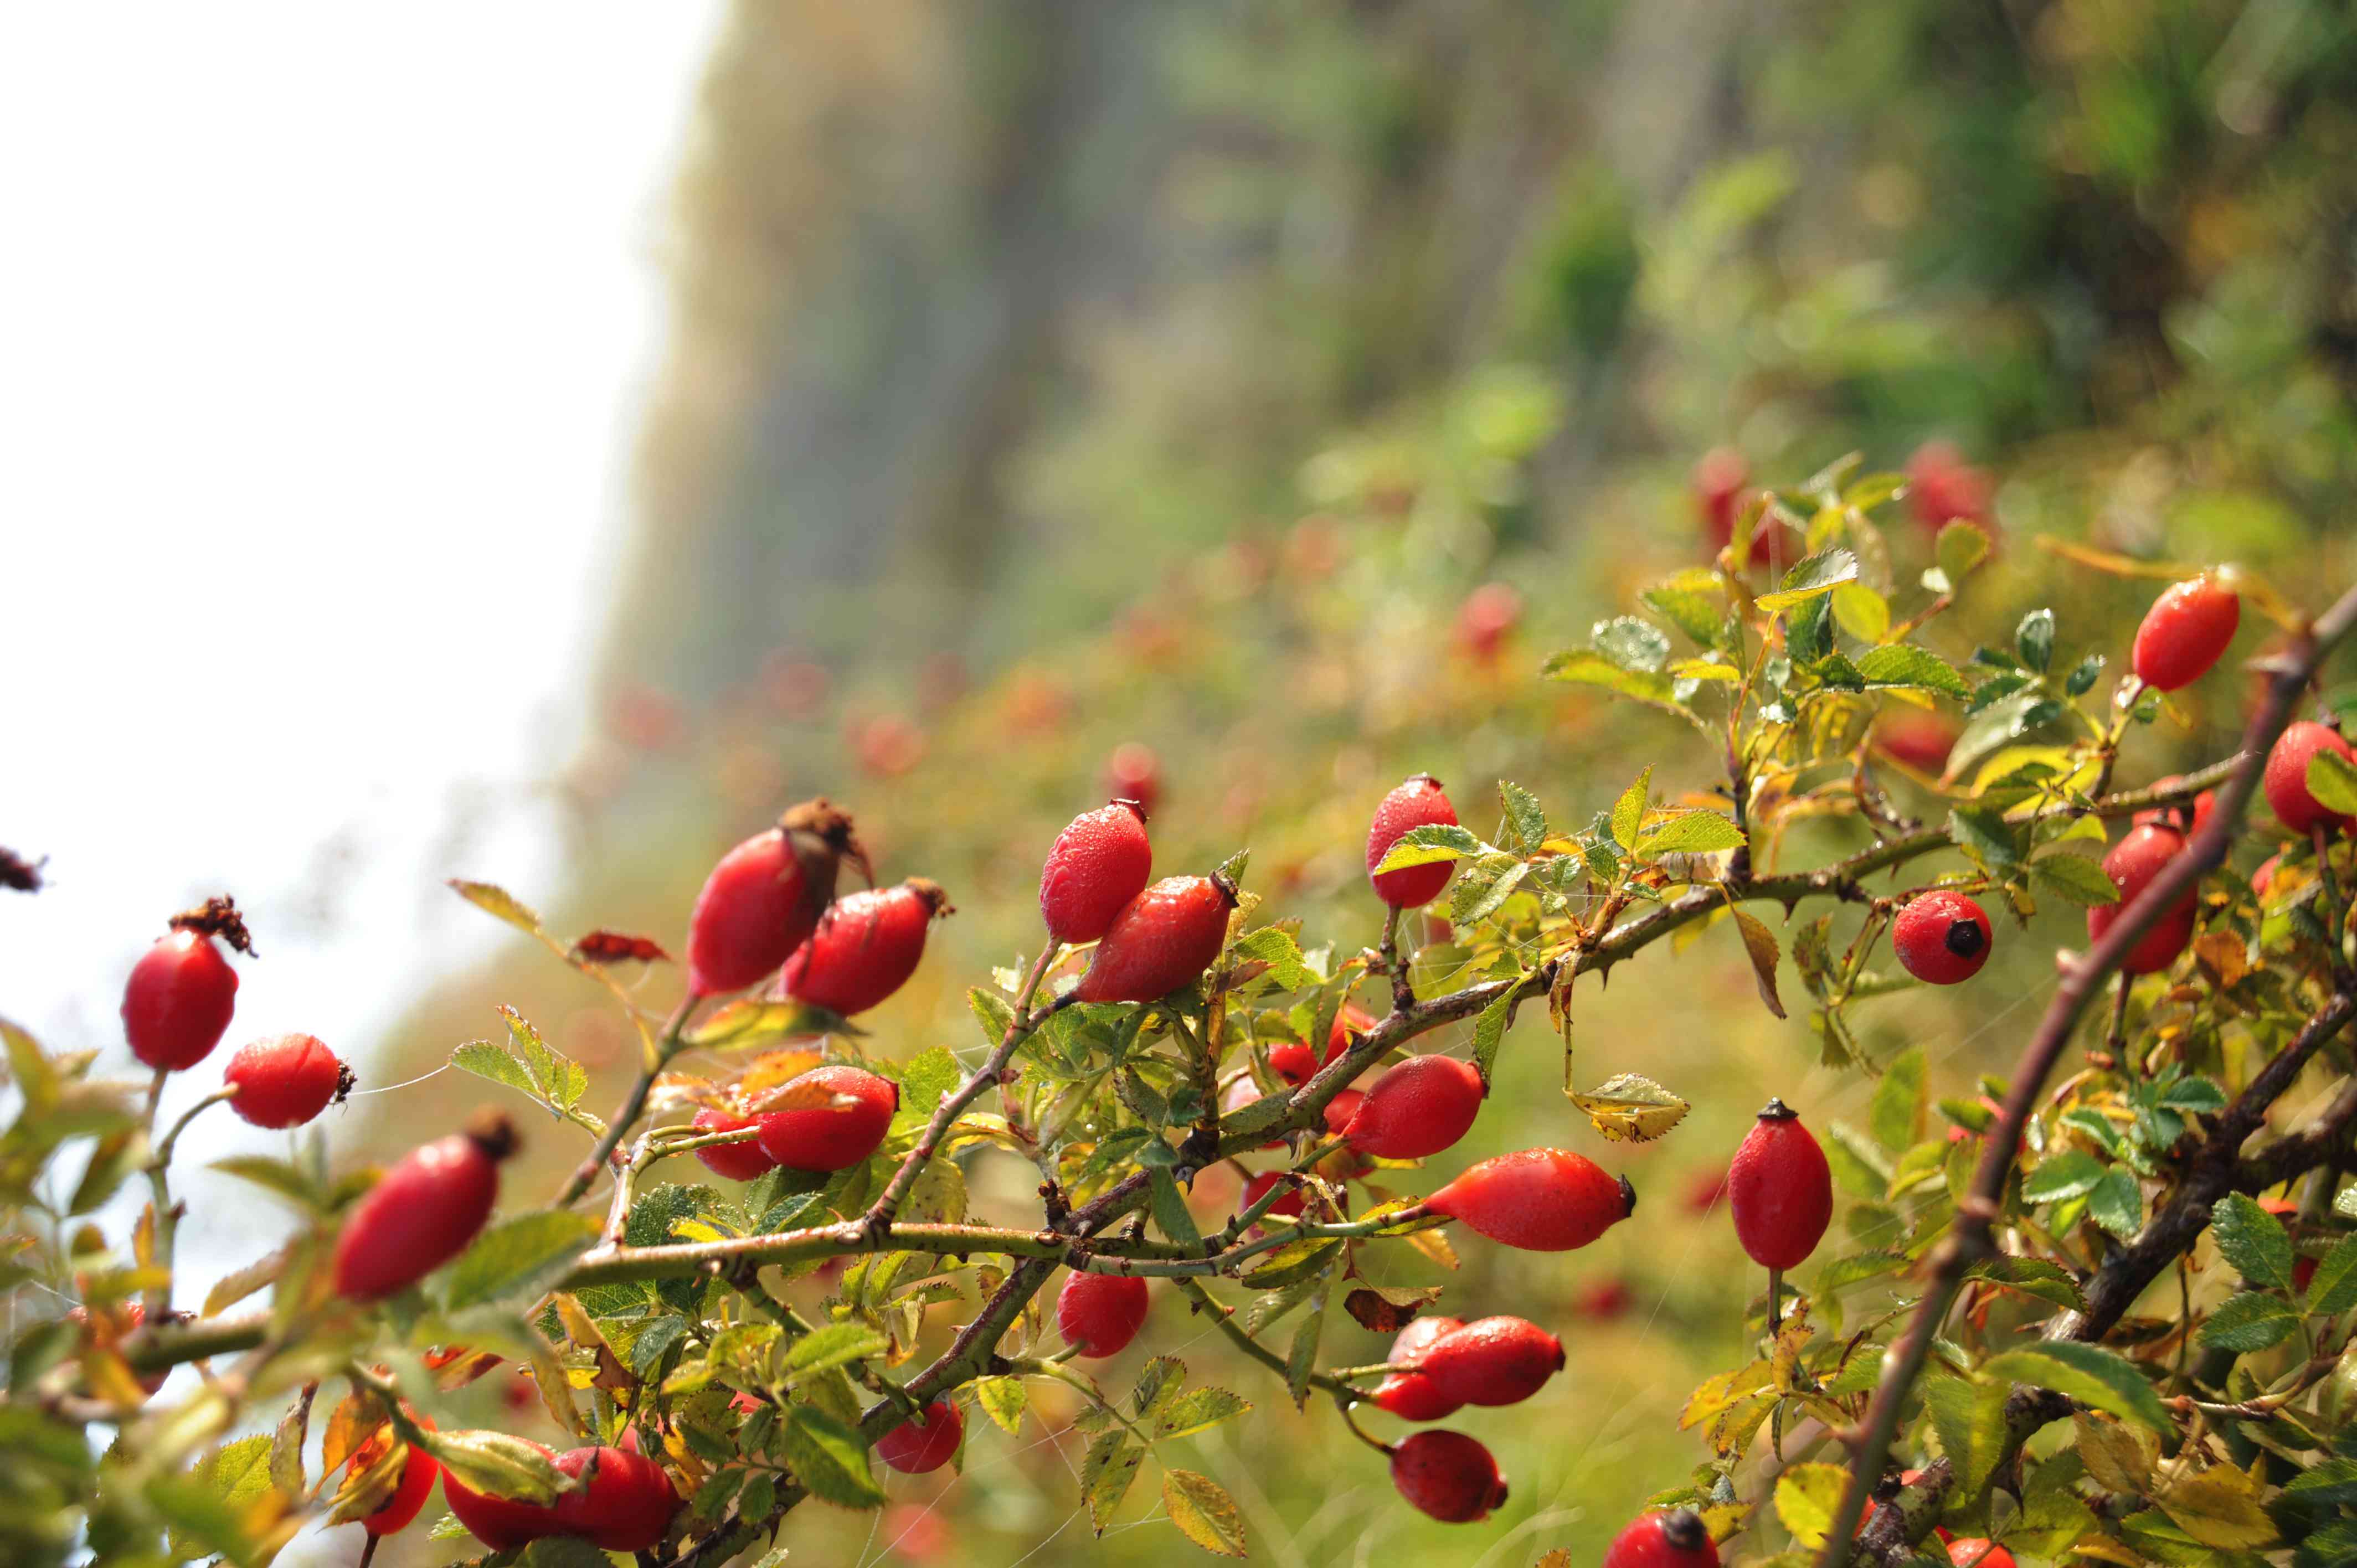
2132	864
1418	1108
1449	1476
1100	1313
1942	938
424	1212
1418	802
1676	1539
1097	865
829	1119
914	1449
764	899
286	1081
865	947
1542	1200
2184	632
2286	778
1781	1189
1413	1396
737	1162
176	1003
1164	939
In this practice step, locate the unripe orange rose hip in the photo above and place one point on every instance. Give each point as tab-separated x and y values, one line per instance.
424	1212
913	1450
177	1001
1676	1539
1095	868
2132	864
764	899
865	947
286	1081
1101	1314
626	1505
1781	1189
833	1118
1418	1108
738	1162
1449	1476
1418	802
1493	1361
1542	1200
1942	938
2185	631
1413	1396
1163	938
2285	779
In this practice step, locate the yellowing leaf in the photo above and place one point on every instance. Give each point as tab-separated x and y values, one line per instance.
1806	1496
1631	1109
1203	1512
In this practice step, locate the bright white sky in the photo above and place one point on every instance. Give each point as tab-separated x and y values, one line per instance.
324	332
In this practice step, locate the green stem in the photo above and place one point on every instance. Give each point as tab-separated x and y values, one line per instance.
633	1105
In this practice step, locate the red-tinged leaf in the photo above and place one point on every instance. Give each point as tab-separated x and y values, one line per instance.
619	947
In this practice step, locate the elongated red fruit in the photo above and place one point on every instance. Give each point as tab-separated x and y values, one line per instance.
1413	1396
424	1212
177	1001
409	1492
286	1081
1418	802
2132	864
1286	1208
1781	1189
1449	1476
865	947
1974	1552
1676	1539
625	1504
2176	816
2285	779
1100	1313
1095	868
913	1450
764	899
1542	1200
1493	1360
1418	1108
500	1523
829	1119
1163	938
2185	631
1942	938
1297	1063
737	1162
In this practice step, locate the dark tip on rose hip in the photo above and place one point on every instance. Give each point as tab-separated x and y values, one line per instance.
1628	1198
1685	1530
1965	938
1137	808
1227	888
1777	1110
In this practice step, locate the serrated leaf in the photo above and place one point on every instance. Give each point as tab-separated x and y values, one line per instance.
1970	1419
993	1014
1523	814
1275	947
499	903
2219	1506
1960	550
2073	1173
1759	946
2034	639
1819	573
2006	720
1484	887
2075	878
1806	1499
836	1345
1004	1400
275	1176
1690	832
1896	1116
1586	667
1634	645
2333	1289
1203	1512
1427	845
1629	810
2252	1320
2117	1204
2254	1241
1902	665
1631	1109
1106	1473
2087	1373
2332	780
1862	612
828	1458
1490	1028
1986	836
239	1283
653	1342
518	1257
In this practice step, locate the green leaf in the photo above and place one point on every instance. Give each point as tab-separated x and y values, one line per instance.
276	1175
1301	1359
1586	667
2034	639
2075	878
1633	645
1485	886
1106	1473
2332	780
1003	1400
2254	1241
1629	810
1427	845
1170	1211
1490	1028
993	1013
1819	573
1898	1110
556	1078
1692	613
1960	550
498	903
1525	815
1862	612
1759	946
828	1458
1986	837
518	1257
1806	1498
655	1341
1999	723
1970	1419
2073	1173
2117	1204
1903	665
1630	1109
2084	676
1198	1410
1275	947
836	1345
2333	1290
2252	1320
2088	1373
1689	832
1203	1512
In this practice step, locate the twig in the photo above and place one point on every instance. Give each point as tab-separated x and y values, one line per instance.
633	1105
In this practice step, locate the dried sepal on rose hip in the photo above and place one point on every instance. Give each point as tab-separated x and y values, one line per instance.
1097	865
424	1212
284	1081
1418	802
764	899
1162	940
865	947
1942	938
177	1001
1447	1475
1099	1315
1542	1200
1781	1189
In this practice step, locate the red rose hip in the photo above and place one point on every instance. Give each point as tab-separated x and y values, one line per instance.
409	1493
500	1523
829	1119
1676	1539
737	1162
424	1212
1974	1552
1163	938
625	1505
764	899
1286	1208
1542	1200
176	1003
1449	1476
865	947
1493	1361
1413	1396
286	1081
1095	868
2184	632
1418	1108
2132	864
913	1450
1942	938
1297	1063
1100	1313
2285	779
1419	803
1781	1189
